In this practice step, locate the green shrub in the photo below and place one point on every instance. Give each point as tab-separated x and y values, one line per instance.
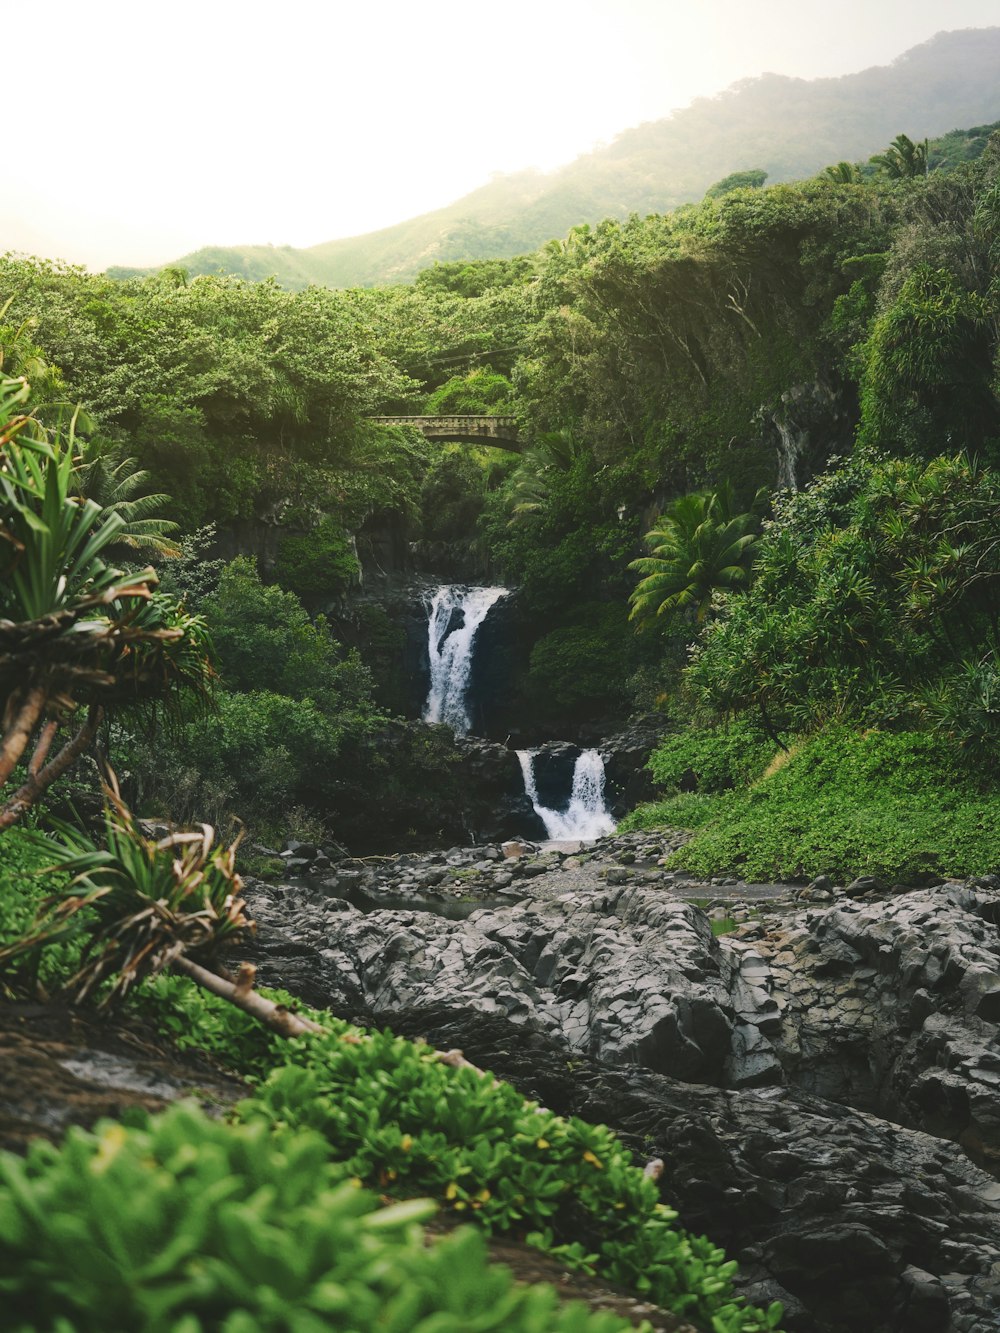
319	564
847	803
266	640
874	588
397	1118
257	754
712	759
689	810
22	889
291	700
584	665
183	1224
195	1020
452	496
482	392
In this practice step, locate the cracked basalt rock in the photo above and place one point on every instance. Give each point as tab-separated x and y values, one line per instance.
801	1076
628	975
852	1222
626	762
889	1006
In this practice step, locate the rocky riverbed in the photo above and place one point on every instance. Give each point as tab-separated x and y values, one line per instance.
817	1065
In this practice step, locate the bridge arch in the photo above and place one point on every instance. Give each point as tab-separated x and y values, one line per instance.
500	432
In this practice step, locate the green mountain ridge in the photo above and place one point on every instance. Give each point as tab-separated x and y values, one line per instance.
789	127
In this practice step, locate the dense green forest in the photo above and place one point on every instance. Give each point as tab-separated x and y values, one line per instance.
784	127
817	361
758	502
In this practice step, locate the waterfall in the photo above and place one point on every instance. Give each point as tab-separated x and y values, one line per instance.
455	615
587	816
792	444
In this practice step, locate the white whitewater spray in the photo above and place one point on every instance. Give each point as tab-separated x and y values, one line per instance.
587	816
451	653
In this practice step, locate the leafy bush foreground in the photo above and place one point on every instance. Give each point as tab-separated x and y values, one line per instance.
186	1224
178	1222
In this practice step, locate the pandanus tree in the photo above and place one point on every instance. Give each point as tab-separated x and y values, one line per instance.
78	636
139	905
699	546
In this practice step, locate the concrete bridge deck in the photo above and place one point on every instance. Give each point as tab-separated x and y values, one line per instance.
500	432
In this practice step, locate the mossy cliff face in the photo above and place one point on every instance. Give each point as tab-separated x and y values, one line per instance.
418	786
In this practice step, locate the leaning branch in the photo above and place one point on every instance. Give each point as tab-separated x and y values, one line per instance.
38	782
241	993
41	752
18	732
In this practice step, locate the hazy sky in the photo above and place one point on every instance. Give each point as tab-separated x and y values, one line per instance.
143	130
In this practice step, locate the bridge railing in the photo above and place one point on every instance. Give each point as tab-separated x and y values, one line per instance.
473	425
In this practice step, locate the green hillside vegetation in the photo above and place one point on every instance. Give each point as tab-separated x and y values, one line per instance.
789	128
733	347
759	496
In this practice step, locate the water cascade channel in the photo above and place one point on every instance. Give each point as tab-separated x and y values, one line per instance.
587	815
456	613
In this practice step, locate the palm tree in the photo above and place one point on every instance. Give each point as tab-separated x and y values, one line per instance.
530	485
698	547
844	173
119	487
21	359
903	158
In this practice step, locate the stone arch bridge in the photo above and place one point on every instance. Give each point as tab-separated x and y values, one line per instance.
500	432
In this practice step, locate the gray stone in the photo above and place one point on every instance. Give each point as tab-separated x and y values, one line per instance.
306	850
792	1076
621	876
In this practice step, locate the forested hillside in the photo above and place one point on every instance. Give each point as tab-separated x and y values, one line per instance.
749	545
720	358
785	127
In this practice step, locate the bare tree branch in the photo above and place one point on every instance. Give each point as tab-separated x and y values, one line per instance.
18	731
242	994
12	809
42	748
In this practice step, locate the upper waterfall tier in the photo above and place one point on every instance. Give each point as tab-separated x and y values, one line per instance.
456	613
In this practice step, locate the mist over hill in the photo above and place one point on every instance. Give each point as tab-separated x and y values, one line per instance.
788	127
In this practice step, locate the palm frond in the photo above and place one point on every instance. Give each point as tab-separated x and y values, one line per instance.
699	546
118	486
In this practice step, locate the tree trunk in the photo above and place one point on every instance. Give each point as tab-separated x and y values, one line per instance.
38	782
18	731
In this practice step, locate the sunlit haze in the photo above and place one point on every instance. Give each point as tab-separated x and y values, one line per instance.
151	130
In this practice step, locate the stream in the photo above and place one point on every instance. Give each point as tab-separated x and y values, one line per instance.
816	1065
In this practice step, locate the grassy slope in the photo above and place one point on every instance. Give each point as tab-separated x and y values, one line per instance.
895	804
